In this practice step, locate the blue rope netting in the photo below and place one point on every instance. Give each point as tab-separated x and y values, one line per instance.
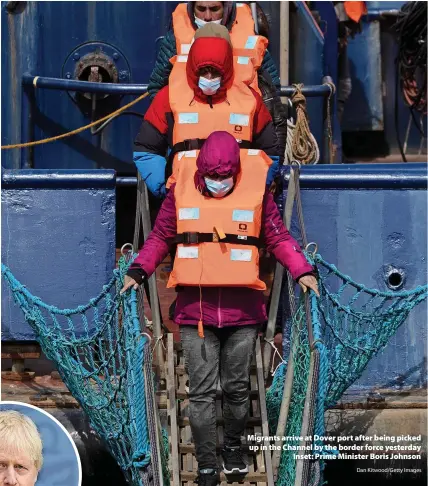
351	324
101	364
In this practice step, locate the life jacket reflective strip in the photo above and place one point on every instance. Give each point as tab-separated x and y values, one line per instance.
220	264
193	119
355	10
244	41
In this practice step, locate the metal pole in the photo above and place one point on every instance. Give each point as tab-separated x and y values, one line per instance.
301	470
285	403
263	413
284	14
327	123
277	281
121	89
27	127
156	317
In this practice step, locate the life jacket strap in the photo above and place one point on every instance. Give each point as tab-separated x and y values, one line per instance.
196	144
194	238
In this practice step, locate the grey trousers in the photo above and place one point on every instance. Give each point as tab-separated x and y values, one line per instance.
227	354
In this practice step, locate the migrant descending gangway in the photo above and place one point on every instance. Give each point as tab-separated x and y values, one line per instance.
108	368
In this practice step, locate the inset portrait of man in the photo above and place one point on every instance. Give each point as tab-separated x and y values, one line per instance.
21	450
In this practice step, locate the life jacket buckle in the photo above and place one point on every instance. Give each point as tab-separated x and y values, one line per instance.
191	144
190	238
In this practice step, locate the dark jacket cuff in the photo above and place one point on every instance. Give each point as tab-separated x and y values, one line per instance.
312	274
137	273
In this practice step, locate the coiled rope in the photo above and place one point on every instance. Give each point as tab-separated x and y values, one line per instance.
288	156
78	130
304	147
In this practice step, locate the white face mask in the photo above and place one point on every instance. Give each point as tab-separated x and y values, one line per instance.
200	23
209	86
219	188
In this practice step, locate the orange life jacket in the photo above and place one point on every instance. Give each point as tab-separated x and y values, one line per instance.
195	121
218	238
248	49
355	10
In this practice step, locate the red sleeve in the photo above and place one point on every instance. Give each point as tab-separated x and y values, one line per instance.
156	114
261	116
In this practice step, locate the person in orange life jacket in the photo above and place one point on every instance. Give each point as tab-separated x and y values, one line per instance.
231	315
192	16
210	75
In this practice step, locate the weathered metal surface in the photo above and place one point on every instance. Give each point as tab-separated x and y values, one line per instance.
371	106
364	229
387	5
58	239
19	36
364	108
39	40
306	61
326	23
73	25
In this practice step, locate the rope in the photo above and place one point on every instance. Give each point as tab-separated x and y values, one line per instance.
103	356
313	383
107	366
276	353
288	155
333	338
303	145
78	130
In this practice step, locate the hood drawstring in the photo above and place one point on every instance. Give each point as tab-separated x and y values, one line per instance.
210	100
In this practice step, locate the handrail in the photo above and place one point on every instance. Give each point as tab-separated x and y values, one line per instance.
350	176
121	89
333	176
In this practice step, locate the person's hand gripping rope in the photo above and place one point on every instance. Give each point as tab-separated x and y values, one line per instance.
309	281
128	283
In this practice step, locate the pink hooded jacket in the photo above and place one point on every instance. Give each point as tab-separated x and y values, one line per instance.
222	306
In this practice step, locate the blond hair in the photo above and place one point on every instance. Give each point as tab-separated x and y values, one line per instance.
19	434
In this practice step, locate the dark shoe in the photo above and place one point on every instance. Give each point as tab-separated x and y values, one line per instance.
208	477
233	462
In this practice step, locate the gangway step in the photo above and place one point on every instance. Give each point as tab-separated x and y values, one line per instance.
182	461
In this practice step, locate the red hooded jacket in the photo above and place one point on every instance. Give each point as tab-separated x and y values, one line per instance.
155	134
221	306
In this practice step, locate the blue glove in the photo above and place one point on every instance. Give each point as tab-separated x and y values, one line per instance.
152	170
273	170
